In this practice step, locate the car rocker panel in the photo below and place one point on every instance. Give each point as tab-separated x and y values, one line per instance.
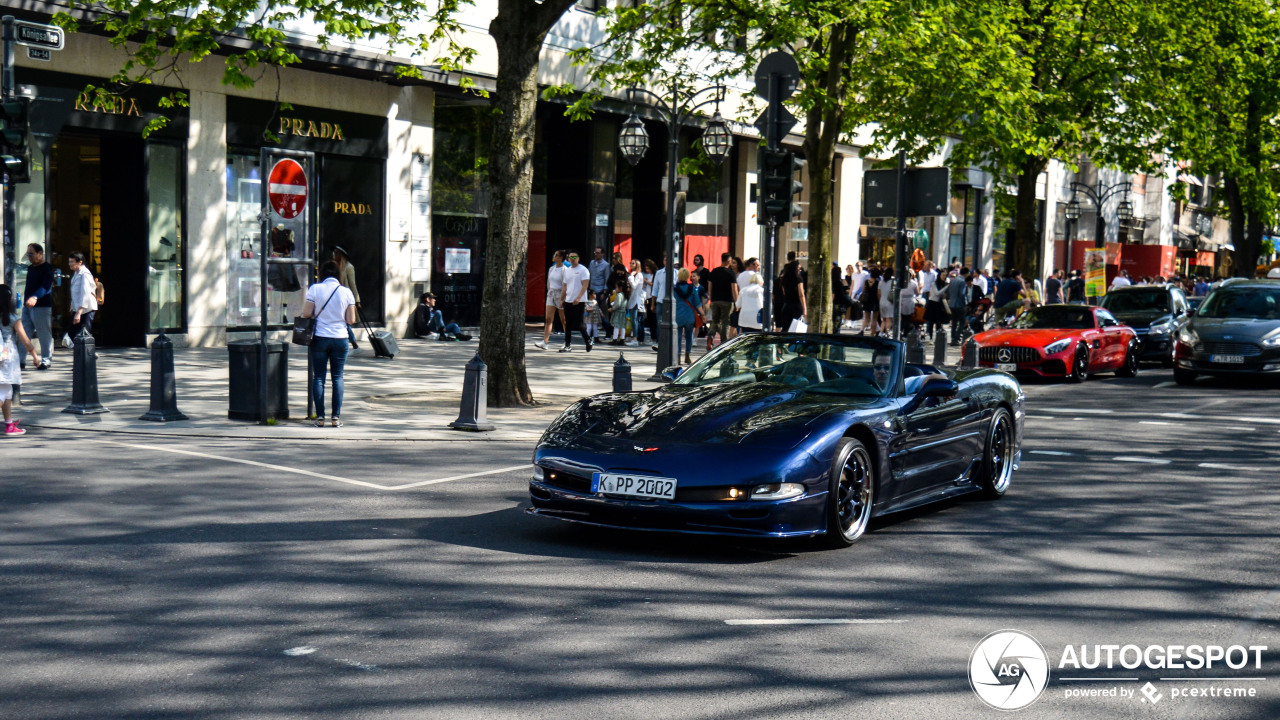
745	454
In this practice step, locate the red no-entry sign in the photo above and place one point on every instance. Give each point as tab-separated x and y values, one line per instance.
287	188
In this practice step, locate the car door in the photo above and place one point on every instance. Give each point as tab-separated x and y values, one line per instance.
1115	339
936	441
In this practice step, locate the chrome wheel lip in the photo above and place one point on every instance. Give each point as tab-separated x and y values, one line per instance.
1002	454
853	494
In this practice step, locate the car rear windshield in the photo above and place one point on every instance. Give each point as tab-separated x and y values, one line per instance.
1127	301
1242	302
1059	317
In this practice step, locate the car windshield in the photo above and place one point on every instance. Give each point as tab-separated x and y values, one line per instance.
1256	303
1058	317
1144	300
838	366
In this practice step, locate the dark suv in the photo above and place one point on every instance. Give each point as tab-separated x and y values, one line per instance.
1155	312
1235	331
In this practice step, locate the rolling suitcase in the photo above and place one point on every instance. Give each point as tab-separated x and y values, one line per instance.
383	343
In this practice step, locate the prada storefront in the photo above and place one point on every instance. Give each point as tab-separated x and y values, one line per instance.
344	156
99	187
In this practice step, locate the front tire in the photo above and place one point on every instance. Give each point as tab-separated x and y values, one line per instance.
1079	365
849	495
1129	368
997	457
1184	377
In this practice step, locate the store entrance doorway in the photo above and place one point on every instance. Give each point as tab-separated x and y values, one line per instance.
97	206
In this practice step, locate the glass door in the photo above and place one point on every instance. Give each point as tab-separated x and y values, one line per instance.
165	238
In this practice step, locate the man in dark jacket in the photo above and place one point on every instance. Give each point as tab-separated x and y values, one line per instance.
428	322
37	311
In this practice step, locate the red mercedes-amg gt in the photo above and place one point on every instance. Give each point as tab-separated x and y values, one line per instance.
1071	341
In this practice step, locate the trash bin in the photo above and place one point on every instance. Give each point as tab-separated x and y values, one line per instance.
244	358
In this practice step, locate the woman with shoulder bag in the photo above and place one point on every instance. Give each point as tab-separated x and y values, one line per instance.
334	308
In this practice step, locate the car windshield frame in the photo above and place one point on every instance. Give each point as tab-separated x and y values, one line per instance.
1115	296
1029	320
724	359
1210	306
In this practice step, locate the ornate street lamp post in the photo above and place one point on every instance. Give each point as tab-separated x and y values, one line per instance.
633	141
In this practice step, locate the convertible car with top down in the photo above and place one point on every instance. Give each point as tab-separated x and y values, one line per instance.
777	435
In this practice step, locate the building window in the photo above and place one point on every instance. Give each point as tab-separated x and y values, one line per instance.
165	175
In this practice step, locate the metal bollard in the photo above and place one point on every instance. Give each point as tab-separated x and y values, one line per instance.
969	355
621	375
473	415
164	383
84	377
915	351
940	347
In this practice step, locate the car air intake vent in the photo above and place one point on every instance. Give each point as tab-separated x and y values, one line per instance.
1228	348
1015	354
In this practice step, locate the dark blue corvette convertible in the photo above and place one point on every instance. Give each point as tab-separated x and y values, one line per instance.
781	435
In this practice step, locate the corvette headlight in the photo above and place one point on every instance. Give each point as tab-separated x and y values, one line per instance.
777	491
1163	327
1057	347
1187	336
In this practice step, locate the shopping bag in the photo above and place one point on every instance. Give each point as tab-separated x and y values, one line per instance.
798	326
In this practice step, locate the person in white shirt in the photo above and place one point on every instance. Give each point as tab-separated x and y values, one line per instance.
84	299
981	280
635	305
334	308
907	299
1121	280
576	279
555	298
750	301
857	280
927	276
750	267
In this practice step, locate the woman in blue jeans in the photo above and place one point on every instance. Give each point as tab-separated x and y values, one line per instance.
334	308
688	299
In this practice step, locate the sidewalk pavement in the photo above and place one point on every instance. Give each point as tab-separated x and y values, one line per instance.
412	397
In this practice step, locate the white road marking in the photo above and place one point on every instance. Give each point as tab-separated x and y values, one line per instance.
1224	466
1248	419
814	621
1153	422
1136	459
1078	411
1157	386
308	473
300	650
1058	453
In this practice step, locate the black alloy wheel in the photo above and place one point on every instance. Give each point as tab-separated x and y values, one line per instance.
1129	368
1079	364
849	495
997	460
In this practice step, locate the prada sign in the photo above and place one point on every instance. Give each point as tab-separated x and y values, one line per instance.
310	129
100	102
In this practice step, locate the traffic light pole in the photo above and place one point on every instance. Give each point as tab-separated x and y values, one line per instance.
7	94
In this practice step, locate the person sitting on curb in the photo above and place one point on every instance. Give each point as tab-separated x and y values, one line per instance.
428	322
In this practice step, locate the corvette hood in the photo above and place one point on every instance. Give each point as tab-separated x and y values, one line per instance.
1022	338
766	413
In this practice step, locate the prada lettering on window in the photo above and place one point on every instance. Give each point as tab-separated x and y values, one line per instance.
352	208
97	102
310	128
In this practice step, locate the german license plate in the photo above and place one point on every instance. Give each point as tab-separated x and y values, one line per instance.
1227	359
1007	367
640	486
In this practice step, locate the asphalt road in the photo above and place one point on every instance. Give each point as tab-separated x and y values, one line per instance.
179	578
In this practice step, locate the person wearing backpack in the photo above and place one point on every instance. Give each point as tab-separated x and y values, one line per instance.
84	299
334	308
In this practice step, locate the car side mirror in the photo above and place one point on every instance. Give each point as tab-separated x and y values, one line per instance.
933	387
672	373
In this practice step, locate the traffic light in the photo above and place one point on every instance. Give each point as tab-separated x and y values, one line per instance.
15	154
777	184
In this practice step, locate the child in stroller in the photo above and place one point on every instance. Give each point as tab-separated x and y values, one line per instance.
979	314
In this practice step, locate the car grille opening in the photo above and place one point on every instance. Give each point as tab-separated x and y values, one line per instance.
1016	354
1229	348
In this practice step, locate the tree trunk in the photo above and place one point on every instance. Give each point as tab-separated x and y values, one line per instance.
1024	252
518	31
1248	243
823	124
1235	205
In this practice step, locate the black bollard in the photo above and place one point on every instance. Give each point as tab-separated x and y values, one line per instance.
969	354
621	375
475	399
164	383
84	377
940	347
915	351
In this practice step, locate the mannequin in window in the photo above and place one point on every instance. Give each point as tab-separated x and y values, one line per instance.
283	278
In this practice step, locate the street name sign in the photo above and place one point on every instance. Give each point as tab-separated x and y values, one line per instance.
36	35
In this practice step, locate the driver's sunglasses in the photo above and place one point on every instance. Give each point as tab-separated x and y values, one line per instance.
882	368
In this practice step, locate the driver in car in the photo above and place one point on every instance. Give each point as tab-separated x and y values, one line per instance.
882	373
